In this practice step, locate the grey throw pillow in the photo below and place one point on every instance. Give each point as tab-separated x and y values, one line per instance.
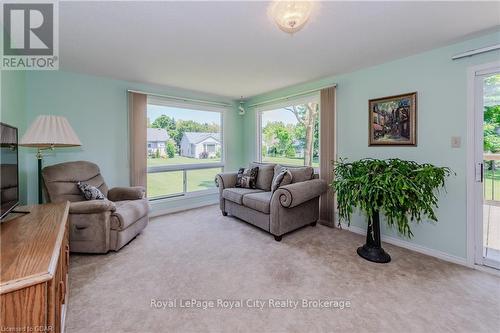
282	176
247	178
90	192
265	176
301	174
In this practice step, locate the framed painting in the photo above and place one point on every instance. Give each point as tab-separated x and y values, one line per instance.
393	120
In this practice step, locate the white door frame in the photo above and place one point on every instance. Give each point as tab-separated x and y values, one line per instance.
474	188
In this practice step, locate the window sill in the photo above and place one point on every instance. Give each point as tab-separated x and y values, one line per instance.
180	196
163	206
182	167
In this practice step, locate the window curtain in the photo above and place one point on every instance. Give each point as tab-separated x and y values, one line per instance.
327	153
137	104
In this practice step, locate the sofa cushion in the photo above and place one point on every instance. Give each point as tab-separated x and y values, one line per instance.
265	175
301	174
282	176
235	194
128	212
258	201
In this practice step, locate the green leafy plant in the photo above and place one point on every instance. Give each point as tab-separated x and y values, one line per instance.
170	150
491	129
403	191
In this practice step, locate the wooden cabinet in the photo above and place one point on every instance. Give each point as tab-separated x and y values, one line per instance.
34	269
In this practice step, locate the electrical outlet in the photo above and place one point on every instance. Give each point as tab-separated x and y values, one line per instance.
456	142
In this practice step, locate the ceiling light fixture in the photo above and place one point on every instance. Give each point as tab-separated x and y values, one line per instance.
290	16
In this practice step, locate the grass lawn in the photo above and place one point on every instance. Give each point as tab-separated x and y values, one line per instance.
288	161
166	183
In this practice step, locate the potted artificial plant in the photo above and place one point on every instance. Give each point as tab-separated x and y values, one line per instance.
403	191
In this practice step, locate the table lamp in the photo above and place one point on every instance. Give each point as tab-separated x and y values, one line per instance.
48	132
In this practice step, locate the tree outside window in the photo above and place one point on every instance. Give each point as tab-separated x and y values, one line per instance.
290	135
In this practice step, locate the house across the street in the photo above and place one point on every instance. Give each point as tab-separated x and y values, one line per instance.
157	140
200	145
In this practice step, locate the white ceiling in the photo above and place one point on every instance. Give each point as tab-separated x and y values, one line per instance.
232	48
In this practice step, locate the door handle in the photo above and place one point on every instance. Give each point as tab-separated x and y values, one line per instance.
479	172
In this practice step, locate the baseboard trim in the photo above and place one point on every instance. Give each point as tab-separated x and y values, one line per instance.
326	223
486	269
411	246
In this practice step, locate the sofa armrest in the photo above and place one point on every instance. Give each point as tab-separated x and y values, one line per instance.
91	207
295	194
226	180
126	193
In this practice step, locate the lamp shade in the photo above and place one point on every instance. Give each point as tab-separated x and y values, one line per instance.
50	131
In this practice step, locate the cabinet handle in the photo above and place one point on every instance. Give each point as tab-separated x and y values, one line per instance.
67	256
62	292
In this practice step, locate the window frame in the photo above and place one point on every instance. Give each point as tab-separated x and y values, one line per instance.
161	101
313	97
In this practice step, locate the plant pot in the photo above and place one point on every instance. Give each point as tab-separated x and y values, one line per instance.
373	250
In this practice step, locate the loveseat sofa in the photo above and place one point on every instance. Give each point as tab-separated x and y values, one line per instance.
286	209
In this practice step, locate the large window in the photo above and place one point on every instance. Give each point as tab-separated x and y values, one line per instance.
185	148
289	134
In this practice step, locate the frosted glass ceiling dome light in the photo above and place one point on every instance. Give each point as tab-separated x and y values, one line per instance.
291	16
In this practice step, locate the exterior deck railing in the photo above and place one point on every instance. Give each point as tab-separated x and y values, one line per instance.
491	182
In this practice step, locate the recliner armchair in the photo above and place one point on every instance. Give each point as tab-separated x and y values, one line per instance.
96	226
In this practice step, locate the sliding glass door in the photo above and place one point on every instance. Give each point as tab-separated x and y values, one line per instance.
487	109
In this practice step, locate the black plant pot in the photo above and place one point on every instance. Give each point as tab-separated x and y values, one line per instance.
373	250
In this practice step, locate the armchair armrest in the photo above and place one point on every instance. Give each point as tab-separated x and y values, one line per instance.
297	193
91	207
226	179
126	193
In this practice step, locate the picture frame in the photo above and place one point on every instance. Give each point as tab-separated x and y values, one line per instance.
392	120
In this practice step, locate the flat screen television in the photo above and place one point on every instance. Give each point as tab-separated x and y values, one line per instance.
9	170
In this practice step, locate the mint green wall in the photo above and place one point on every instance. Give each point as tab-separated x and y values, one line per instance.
13	112
441	85
96	108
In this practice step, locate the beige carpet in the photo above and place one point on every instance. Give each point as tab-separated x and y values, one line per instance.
201	255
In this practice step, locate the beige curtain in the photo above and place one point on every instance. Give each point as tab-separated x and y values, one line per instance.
327	153
137	104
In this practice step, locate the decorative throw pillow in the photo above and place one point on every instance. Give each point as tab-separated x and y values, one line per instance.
90	192
247	177
282	176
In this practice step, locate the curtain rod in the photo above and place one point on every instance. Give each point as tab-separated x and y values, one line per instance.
183	99
284	98
474	52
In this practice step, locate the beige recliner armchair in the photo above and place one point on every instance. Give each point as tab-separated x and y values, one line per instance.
96	226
